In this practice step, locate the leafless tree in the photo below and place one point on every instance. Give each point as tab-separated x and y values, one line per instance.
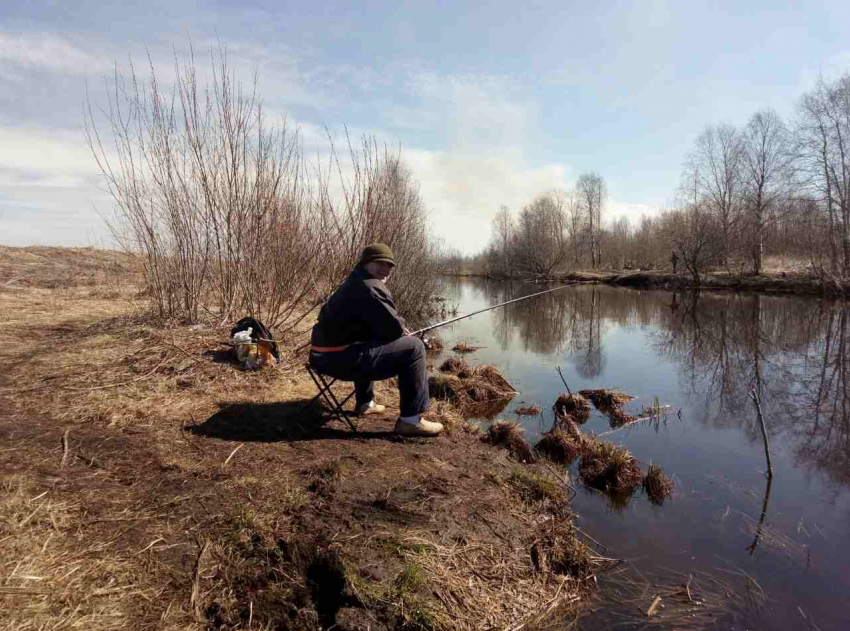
592	193
502	243
823	134
713	175
541	236
766	177
693	234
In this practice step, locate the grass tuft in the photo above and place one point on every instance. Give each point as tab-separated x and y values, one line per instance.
572	405
533	487
560	447
657	485
610	467
509	435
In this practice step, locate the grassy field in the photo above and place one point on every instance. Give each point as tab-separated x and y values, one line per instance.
149	483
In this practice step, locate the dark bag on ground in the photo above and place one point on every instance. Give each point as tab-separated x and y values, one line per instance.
258	330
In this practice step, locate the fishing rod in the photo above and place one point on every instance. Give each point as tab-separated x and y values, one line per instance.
421	332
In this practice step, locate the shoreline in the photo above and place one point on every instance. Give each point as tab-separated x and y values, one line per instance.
654	279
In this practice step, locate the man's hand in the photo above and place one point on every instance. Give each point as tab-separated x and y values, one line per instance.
407	331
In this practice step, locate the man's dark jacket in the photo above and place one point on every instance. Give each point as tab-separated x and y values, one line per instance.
361	310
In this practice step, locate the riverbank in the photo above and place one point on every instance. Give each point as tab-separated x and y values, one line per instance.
150	483
776	283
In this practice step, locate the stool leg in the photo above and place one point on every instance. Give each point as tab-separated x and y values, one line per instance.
338	410
325	391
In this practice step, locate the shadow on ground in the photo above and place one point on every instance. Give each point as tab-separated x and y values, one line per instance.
285	421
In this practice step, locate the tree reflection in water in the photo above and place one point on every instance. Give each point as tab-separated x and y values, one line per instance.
792	352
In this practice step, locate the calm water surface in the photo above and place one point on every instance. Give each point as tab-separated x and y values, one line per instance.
701	355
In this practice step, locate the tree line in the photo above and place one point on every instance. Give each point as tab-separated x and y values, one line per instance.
769	188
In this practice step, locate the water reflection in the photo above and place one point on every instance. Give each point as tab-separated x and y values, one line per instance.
793	353
705	354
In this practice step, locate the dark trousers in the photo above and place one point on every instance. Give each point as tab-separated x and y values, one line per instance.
366	362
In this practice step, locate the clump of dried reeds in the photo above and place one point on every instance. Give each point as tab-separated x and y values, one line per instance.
469	387
617	417
572	405
453	422
534	487
560	447
490	375
465	348
657	485
606	400
509	435
610	402
435	345
609	467
528	410
447	387
558	550
454	365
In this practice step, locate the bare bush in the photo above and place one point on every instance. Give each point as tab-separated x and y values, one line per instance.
229	216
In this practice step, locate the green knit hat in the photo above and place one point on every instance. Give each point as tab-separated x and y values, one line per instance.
376	252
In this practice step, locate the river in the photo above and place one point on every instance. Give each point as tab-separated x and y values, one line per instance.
787	544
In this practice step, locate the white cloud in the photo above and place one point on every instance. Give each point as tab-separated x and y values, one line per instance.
46	154
46	51
615	209
463	193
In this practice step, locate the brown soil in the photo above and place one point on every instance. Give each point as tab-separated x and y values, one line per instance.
149	483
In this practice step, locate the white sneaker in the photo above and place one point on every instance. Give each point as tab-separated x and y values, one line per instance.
420	428
369	408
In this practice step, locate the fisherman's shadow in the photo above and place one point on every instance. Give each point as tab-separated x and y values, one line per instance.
285	421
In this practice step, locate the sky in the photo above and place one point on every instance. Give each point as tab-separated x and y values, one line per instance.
490	103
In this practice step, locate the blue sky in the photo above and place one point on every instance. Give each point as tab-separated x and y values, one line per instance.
491	103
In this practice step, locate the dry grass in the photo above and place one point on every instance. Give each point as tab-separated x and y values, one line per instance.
434	345
177	500
528	410
657	485
481	585
469	388
453	421
504	590
102	273
618	418
690	602
610	468
492	377
560	447
604	400
534	487
465	348
454	365
57	577
509	435
573	405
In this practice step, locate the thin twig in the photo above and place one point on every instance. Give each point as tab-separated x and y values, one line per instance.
232	453
195	600
558	368
65	447
755	397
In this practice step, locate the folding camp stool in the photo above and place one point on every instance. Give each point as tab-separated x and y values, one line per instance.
323	383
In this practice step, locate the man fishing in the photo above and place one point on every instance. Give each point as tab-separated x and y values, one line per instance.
360	337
